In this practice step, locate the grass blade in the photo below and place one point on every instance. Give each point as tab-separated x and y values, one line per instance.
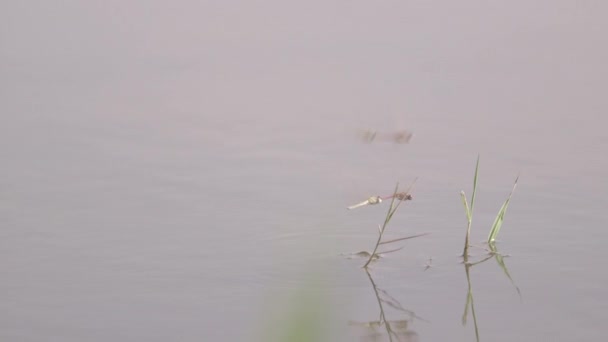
474	186
404	238
465	252
467	210
497	222
390	251
501	216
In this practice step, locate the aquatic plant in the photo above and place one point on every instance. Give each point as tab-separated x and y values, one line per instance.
498	221
396	199
469	212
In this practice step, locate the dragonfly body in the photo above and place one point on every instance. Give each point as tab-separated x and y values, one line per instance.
370	201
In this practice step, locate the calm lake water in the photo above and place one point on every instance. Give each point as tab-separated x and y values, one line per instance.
181	172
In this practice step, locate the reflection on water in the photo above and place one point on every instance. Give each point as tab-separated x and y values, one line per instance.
492	254
392	330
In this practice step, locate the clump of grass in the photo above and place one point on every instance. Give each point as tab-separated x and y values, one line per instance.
498	221
469	211
396	200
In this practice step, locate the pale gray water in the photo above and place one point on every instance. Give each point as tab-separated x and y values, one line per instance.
176	171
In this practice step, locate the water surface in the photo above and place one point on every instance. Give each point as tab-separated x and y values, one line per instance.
178	172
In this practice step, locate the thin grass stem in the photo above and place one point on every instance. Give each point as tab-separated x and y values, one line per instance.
386	220
403	238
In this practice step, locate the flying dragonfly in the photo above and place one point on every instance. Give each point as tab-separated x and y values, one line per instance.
401	196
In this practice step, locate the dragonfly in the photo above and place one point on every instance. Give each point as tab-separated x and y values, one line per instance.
373	200
399	137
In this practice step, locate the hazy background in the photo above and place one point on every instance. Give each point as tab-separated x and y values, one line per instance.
171	170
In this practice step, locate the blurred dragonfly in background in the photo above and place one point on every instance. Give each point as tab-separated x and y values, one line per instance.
399	137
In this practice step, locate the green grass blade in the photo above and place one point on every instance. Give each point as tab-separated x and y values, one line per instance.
403	238
474	186
501	216
466	205
497	222
465	252
391	208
